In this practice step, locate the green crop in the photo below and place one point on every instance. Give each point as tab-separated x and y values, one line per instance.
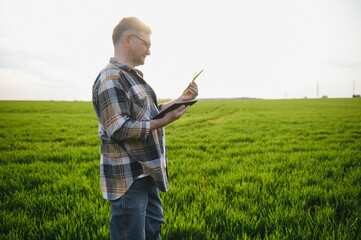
196	75
193	79
238	169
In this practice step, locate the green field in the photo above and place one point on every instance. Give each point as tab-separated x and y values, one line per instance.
238	169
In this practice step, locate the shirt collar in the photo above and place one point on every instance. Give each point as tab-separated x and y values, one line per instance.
125	67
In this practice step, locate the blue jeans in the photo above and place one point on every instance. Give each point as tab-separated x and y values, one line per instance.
137	215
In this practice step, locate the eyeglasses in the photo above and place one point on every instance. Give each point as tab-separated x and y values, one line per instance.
146	43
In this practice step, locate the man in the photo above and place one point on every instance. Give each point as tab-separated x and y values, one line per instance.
133	158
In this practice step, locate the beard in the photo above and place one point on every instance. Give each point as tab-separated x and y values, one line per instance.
138	60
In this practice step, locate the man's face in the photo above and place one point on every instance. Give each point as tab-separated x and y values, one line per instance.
140	48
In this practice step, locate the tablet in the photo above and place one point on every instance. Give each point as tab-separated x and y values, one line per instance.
174	106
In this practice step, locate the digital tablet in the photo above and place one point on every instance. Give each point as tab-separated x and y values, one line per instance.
174	106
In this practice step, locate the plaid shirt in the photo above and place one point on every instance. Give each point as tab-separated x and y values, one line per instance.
124	104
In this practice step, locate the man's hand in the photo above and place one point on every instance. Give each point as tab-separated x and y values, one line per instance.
168	117
190	93
176	113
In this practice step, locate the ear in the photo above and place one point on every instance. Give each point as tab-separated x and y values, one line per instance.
126	39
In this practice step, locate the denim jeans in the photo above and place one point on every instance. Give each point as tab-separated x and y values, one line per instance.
138	215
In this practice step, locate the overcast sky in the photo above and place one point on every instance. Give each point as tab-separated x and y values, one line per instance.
53	50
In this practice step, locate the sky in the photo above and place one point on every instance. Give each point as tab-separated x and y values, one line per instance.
270	49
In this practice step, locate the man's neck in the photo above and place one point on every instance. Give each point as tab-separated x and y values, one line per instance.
123	58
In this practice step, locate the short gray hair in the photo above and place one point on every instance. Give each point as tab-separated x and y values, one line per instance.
131	25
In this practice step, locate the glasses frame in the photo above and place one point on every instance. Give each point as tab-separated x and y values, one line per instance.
146	43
